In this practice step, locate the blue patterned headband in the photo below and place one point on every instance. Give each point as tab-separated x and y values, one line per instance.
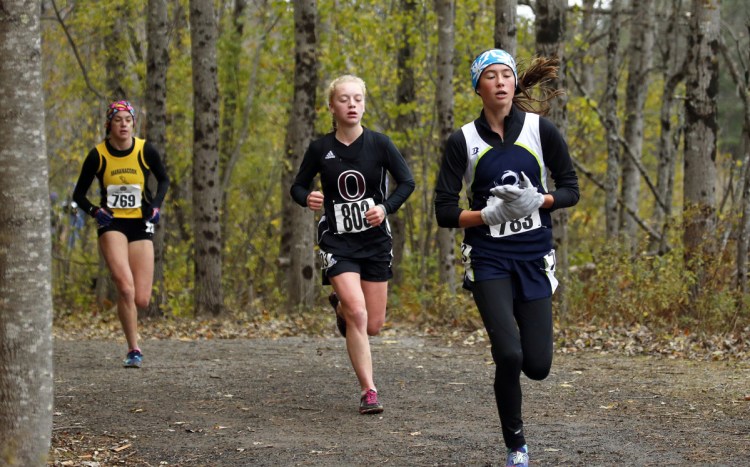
491	57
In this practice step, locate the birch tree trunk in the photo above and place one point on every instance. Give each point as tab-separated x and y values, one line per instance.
26	382
208	293
701	132
505	25
639	54
446	12
673	60
406	121
588	28
297	258
230	98
741	77
612	125
157	62
550	41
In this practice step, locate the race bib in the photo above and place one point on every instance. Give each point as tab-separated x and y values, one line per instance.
326	259
517	226
123	196
350	217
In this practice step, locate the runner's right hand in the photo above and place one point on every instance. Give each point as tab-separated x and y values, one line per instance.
103	217
315	200
496	212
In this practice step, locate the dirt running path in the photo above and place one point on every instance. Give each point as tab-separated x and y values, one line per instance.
293	401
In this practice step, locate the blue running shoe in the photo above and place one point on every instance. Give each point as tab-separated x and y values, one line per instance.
133	360
518	457
333	299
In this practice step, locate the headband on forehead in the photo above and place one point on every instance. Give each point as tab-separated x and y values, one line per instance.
119	106
491	57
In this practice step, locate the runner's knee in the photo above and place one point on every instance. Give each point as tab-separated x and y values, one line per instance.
142	302
374	327
536	372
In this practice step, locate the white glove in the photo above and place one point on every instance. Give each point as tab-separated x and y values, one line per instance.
496	212
507	193
521	200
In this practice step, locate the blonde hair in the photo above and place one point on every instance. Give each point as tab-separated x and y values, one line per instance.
345	79
340	80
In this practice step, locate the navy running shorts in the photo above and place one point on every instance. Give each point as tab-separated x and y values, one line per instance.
532	279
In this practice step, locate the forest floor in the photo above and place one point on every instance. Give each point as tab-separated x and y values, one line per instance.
214	398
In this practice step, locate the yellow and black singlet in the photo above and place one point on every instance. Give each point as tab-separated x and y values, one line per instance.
123	180
123	177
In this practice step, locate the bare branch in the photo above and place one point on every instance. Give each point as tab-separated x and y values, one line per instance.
621	140
646	228
75	51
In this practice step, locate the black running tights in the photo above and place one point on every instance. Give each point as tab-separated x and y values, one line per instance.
521	338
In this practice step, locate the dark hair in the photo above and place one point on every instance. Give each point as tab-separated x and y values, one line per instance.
541	72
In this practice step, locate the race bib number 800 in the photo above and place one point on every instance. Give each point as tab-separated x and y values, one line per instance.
123	196
350	217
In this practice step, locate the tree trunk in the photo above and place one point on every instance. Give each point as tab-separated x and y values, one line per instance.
701	132
297	259
639	53
550	40
612	125
26	373
157	62
406	122
505	25
586	64
230	103
206	187
446	12
741	78
673	61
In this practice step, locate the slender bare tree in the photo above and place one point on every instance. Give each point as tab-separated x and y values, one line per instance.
588	28
672	58
505	25
446	13
297	260
406	120
701	133
26	382
550	41
157	62
738	65
612	124
209	298
639	55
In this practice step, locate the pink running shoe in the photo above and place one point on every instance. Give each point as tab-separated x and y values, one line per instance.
369	404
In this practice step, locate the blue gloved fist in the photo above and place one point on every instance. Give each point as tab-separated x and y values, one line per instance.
103	217
154	216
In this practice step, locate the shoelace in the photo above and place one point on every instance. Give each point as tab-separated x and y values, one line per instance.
519	457
371	397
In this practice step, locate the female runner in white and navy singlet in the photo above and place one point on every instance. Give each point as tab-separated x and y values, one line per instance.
503	159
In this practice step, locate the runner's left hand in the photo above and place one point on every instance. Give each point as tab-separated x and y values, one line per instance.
154	219
375	215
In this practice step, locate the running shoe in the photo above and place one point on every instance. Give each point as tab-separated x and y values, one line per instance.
369	404
518	457
340	322
134	359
